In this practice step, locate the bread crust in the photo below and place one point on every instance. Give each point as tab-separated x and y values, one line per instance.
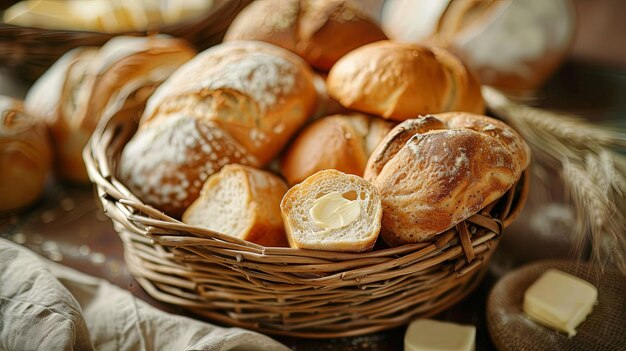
87	85
399	81
25	156
238	102
321	31
436	171
341	142
263	192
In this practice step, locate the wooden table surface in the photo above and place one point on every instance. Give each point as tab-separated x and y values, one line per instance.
67	226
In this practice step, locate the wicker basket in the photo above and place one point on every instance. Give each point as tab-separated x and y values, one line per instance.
303	293
32	50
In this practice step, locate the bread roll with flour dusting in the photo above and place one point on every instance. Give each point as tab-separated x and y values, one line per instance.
334	211
243	202
436	171
237	102
89	84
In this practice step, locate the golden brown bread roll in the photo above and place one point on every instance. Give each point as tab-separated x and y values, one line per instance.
399	81
238	102
25	156
436	171
243	202
341	142
333	211
89	84
514	45
321	31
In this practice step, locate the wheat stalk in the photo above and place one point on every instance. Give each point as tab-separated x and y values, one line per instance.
593	171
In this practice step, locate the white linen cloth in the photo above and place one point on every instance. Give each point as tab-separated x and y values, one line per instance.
47	306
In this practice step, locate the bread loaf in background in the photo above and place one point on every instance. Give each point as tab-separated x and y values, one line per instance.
321	31
341	142
243	202
25	156
332	211
399	81
435	171
89	84
513	45
237	102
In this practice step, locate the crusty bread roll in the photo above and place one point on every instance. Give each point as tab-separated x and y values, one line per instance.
333	211
243	202
237	102
341	142
25	156
89	84
400	81
435	171
321	31
514	45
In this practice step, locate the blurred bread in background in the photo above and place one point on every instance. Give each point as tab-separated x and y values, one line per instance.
321	31
109	16
88	84
513	45
25	156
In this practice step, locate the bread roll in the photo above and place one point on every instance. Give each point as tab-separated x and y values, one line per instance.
237	102
514	45
341	142
89	84
436	171
321	31
243	202
399	81
25	156
333	211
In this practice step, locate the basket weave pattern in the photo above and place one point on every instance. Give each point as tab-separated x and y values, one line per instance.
304	293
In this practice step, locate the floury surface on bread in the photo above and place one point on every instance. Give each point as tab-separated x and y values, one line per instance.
238	102
304	230
243	202
435	171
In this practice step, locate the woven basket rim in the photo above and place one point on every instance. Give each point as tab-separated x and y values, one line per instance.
242	284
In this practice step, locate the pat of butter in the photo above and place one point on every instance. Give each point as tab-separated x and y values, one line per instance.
333	211
426	334
560	301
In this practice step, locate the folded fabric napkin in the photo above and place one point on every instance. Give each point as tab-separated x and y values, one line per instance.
47	306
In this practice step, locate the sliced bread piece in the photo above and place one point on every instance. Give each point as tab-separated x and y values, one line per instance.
334	211
243	202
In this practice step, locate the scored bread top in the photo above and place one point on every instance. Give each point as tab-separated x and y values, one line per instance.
258	92
302	230
399	81
438	170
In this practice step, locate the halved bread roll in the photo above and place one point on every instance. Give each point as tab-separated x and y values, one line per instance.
243	202
333	211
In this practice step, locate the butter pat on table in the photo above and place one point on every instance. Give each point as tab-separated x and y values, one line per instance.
427	334
560	301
